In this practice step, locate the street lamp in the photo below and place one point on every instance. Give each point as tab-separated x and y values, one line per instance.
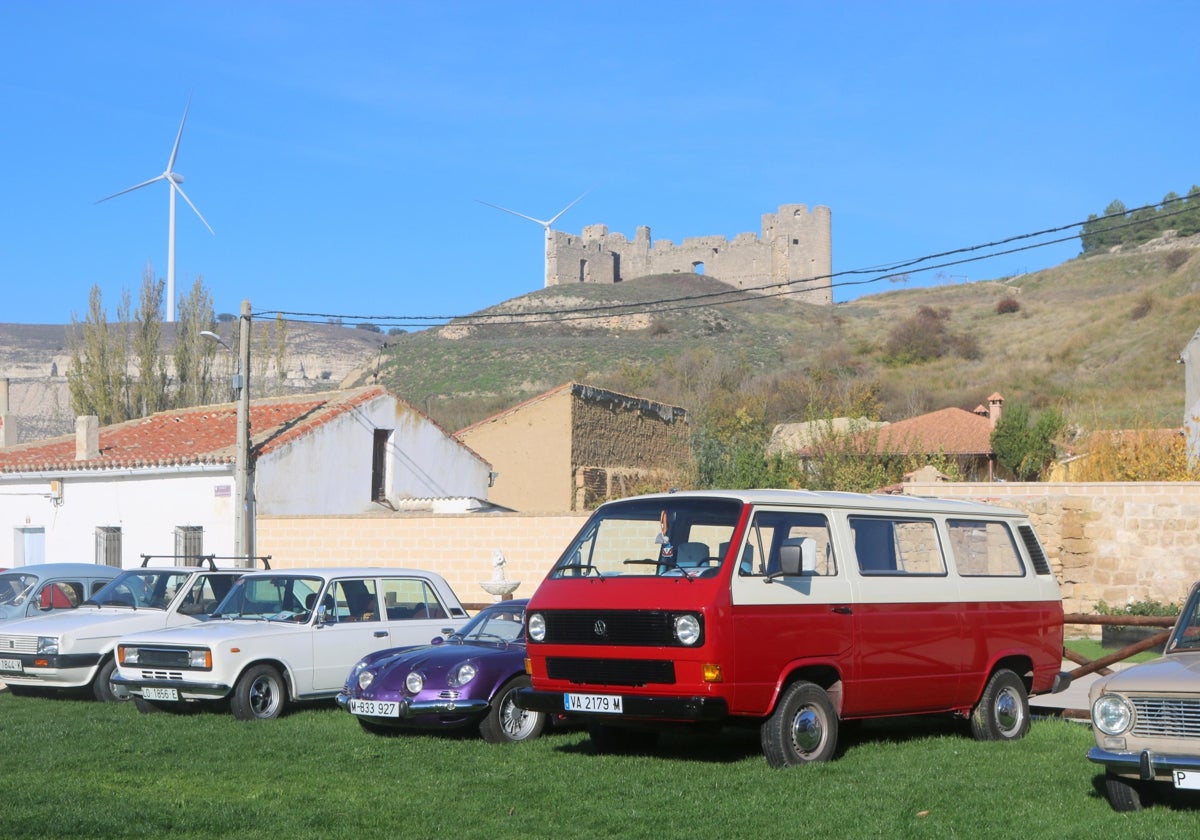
244	504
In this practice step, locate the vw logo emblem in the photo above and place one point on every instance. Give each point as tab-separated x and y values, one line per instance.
600	628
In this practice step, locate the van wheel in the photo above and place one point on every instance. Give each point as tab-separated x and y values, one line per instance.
102	686
1002	713
803	728
1125	794
508	723
258	695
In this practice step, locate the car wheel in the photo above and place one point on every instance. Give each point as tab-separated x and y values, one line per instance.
620	740
259	694
1002	713
506	722
102	685
1125	794
803	728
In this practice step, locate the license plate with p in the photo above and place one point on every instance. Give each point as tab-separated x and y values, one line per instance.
1186	779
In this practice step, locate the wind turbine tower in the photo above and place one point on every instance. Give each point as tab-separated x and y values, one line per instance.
173	179
545	223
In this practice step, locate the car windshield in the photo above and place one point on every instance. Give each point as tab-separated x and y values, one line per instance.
684	537
288	598
494	624
1187	628
142	589
15	588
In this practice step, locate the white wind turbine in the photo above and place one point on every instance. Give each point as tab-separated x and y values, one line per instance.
173	179
545	223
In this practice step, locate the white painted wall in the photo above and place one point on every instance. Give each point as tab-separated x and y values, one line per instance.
328	471
147	504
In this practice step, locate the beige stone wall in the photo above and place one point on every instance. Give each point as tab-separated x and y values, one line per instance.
530	449
1116	542
457	547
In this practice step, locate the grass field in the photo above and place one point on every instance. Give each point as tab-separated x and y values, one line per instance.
74	768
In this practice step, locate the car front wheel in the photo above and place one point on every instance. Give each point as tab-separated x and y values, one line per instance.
260	694
1002	713
803	728
1125	794
102	685
508	723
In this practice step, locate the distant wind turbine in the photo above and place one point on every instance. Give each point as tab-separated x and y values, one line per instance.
545	223
173	179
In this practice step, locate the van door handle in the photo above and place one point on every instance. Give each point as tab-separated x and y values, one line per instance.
379	634
843	610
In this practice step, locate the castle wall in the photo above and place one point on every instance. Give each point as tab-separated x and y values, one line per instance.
795	245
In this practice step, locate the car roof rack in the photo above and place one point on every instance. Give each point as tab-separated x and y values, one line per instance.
210	559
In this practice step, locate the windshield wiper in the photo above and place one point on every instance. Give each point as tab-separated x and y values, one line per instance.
669	562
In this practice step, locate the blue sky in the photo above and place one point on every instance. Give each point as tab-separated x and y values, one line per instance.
339	150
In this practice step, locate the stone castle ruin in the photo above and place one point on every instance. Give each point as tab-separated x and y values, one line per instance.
793	256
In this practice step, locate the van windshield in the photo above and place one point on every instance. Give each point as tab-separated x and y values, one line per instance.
662	537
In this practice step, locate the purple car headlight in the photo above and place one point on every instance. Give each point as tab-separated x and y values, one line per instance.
414	682
365	678
462	674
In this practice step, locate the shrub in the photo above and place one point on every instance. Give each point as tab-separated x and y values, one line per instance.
1142	308
1176	258
1007	305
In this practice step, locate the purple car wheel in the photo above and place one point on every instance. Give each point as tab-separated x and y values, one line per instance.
508	723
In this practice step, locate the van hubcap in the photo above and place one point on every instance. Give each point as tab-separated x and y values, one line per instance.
808	730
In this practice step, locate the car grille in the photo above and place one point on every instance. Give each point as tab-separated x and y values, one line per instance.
162	675
18	644
651	628
611	671
163	657
1167	717
448	695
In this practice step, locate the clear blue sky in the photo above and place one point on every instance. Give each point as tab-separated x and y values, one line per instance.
339	149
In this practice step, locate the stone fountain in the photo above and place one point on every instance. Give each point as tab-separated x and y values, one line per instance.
499	587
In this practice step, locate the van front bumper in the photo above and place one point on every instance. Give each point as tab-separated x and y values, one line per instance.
633	706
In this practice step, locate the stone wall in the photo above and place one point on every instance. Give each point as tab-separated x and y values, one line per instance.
795	247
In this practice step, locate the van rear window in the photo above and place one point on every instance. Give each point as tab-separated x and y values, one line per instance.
984	549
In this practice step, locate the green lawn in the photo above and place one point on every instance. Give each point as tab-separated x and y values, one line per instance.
81	769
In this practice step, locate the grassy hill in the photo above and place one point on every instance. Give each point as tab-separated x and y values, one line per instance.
1097	337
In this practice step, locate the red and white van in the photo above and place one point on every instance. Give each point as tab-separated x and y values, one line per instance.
794	610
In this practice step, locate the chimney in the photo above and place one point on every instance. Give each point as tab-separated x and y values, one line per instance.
87	438
995	403
8	429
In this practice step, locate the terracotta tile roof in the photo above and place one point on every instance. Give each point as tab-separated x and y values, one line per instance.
190	436
952	431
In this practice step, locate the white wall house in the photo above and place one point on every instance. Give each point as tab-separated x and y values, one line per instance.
1190	357
164	484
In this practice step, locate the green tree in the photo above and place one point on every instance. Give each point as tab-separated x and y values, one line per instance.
98	379
149	389
1024	449
194	354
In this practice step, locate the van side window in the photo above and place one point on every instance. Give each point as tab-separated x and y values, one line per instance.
886	546
771	530
984	549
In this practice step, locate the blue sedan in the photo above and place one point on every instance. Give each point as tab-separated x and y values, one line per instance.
470	679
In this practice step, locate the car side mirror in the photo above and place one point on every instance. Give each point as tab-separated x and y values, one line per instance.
321	615
436	640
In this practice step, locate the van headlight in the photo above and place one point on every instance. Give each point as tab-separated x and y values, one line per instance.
47	645
537	627
687	629
1112	714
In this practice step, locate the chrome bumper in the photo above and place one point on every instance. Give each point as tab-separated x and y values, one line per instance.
1146	764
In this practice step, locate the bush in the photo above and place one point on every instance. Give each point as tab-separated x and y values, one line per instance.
1146	607
1007	305
1142	308
1176	258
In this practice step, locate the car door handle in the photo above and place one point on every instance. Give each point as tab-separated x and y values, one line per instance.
380	634
843	610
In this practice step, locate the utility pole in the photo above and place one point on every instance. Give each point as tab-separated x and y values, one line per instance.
244	513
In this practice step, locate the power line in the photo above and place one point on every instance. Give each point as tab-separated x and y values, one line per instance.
731	295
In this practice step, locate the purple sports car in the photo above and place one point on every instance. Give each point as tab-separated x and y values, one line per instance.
469	679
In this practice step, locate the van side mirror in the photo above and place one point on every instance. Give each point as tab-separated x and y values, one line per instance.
798	558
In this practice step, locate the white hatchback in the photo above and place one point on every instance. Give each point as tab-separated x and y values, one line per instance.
286	636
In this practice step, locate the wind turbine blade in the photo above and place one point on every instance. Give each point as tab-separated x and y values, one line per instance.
556	216
135	187
179	189
515	213
178	137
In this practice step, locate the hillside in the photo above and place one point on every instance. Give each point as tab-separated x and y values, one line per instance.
1097	337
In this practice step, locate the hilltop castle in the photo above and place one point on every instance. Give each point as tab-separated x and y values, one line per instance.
793	255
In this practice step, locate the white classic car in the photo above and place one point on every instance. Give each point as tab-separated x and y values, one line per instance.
72	649
1147	719
284	636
